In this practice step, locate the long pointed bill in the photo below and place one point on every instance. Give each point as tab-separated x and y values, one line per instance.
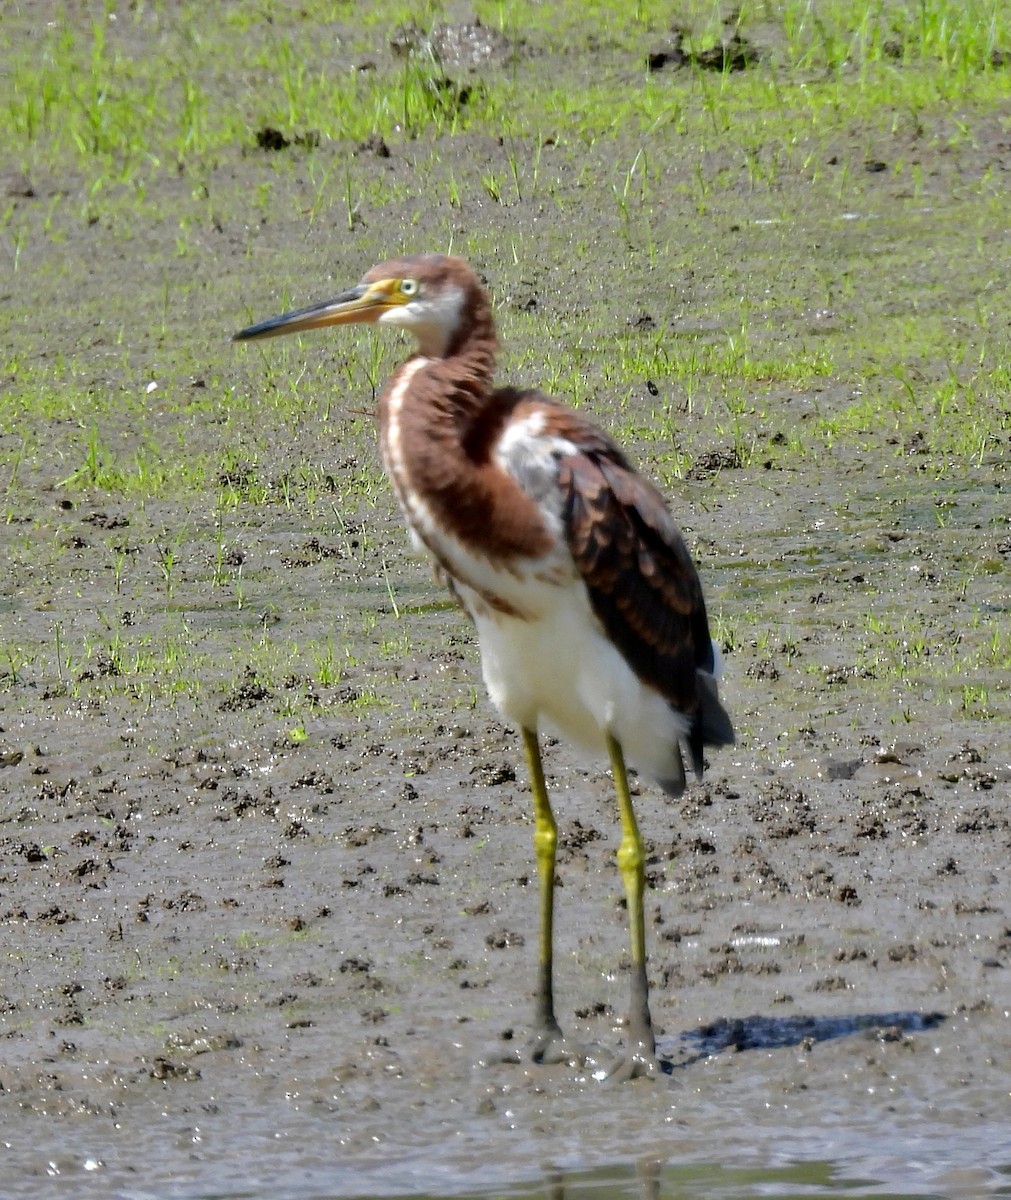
364	303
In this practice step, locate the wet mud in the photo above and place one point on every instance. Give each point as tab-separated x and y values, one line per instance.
267	888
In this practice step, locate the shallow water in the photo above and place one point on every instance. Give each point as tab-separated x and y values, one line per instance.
298	1160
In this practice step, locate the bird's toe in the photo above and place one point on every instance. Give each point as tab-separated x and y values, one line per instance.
551	1046
634	1066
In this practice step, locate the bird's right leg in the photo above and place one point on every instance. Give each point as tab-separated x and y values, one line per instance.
641	1058
548	1041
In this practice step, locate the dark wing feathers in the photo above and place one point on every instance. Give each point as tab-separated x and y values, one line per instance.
643	586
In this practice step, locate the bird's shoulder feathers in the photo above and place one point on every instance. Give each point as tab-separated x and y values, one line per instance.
628	549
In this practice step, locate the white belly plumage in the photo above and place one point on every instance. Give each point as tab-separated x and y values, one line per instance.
558	667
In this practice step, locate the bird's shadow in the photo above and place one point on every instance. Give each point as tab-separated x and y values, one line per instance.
776	1033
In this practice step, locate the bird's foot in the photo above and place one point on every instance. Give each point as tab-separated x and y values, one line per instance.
638	1059
551	1046
548	1046
634	1065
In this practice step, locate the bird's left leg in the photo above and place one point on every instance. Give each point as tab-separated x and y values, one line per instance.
642	1058
549	1044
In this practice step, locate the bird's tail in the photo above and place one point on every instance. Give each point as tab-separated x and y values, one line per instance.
712	726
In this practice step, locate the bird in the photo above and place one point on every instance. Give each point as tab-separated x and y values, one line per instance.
589	611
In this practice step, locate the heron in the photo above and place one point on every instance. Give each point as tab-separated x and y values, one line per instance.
589	612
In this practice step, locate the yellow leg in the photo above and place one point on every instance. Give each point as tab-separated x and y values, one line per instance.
545	844
632	865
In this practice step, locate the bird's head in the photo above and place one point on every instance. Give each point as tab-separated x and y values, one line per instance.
435	296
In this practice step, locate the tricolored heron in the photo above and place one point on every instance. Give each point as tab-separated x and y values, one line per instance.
588	608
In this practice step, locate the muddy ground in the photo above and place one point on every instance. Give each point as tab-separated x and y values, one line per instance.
269	931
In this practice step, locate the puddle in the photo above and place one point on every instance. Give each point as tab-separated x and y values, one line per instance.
930	1162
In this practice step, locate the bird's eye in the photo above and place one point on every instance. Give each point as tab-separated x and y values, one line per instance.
409	287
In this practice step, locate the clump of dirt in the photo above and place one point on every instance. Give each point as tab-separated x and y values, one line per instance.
734	52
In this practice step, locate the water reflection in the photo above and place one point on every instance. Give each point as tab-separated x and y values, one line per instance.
652	1180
